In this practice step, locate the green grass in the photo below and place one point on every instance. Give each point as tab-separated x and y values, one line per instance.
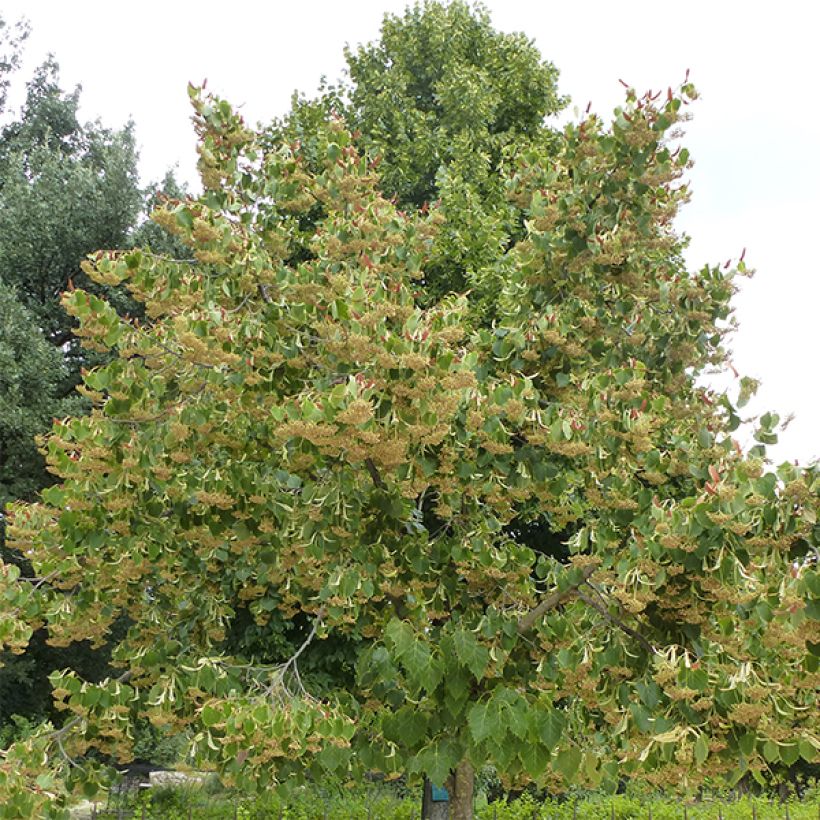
381	803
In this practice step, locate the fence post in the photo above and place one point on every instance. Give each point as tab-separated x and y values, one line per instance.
786	806
685	812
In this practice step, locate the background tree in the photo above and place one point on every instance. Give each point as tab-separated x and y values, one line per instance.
440	102
31	375
11	40
66	189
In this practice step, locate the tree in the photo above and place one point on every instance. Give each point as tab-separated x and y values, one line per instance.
11	40
290	432
31	371
66	189
441	102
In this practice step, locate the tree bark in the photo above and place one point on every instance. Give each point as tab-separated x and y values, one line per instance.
461	795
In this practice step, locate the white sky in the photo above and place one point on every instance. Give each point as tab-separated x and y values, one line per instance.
754	139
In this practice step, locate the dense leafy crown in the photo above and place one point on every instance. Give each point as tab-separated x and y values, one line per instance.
442	102
292	432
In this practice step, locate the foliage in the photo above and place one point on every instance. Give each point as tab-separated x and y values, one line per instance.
622	807
157	745
441	101
66	189
364	802
31	372
302	804
148	234
11	40
442	92
289	432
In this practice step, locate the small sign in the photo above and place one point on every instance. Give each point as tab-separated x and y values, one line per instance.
438	794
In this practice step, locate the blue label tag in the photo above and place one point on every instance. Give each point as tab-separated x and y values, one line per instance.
439	795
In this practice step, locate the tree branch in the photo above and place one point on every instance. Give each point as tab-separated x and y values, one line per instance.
616	621
552	600
278	677
60	733
374	473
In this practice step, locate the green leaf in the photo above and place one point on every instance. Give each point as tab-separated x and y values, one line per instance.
551	728
535	758
400	636
746	743
641	717
807	751
567	762
407	726
812	610
423	670
789	753
210	716
184	218
332	758
701	749
518	717
471	653
484	720
771	751
437	760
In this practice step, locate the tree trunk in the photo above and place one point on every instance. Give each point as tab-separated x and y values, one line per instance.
461	795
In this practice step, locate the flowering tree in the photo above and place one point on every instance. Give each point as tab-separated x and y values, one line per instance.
290	431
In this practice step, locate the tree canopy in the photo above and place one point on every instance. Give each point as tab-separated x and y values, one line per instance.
440	103
293	430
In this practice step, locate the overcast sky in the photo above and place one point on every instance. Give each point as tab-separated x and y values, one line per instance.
755	137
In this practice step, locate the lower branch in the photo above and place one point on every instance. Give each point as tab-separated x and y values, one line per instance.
374	473
616	621
553	600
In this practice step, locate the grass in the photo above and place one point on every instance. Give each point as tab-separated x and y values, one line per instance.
210	802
